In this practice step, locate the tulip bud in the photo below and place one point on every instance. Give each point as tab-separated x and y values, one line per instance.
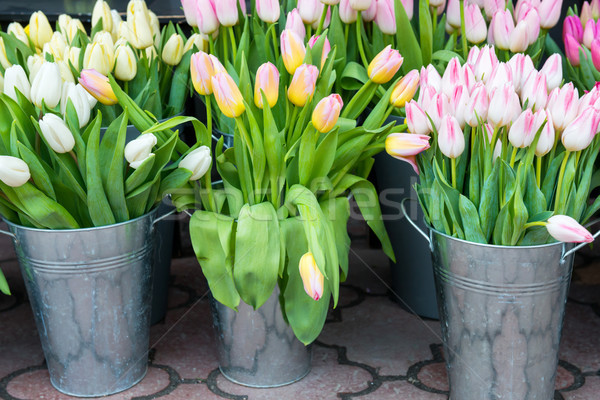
519	39
589	33
386	16
78	96
522	131
451	140
579	134
125	63
402	145
552	70
294	23
46	87
504	106
453	14
14	172
202	69
501	75
595	9
565	229
360	5
73	28
139	29
173	50
310	10
458	104
348	15
155	27
473	55
452	77
16	78
385	65
596	54
292	50
101	11
116	22
437	109
198	40
227	12
408	7
189	10
502	27
430	77
16	29
312	278
370	13
228	95
98	86
547	136
477	106
3	57
72	56
549	11
268	10
97	56
586	13
486	62
521	66
65	71
535	91
34	63
40	30
491	6
426	95
405	89
56	133
590	99
563	106
198	162
572	26
416	119
326	47
475	27
138	150
56	46
327	112
267	81
303	84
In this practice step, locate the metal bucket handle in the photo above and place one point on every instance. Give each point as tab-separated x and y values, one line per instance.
429	239
157	220
12	235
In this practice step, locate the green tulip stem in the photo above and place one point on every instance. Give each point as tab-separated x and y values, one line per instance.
561	176
290	129
346	33
513	157
208	114
275	44
322	21
532	224
74	157
453	164
361	49
538	171
233	43
434	18
463	29
208	184
245	135
211	45
225	49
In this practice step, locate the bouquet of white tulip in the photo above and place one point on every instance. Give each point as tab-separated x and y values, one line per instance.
512	161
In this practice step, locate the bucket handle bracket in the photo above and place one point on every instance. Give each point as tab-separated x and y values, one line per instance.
157	220
426	236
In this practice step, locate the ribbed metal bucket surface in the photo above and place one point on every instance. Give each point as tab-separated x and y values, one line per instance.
90	293
501	311
257	348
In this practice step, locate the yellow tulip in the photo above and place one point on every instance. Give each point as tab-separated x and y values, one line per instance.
3	57
405	89
197	39
228	95
202	70
74	26
173	50
96	57
72	55
40	30
267	80
139	27
101	11
312	278
327	113
292	50
385	65
63	23
303	84
98	86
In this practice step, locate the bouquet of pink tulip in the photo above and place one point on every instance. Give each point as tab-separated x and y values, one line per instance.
511	160
581	37
280	217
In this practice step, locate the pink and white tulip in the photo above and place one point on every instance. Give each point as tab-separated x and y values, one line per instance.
549	11
563	106
521	66
566	229
547	136
370	13
360	5
327	113
268	10
348	15
386	16
452	77
458	104
451	139
294	23
416	119
437	109
227	12
486	62
504	106
309	10
522	132
401	145
501	75
477	106
430	77
501	29
552	70
579	134
475	27
590	32
535	91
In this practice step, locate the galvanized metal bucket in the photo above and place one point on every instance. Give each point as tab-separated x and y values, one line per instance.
90	293
501	313
258	348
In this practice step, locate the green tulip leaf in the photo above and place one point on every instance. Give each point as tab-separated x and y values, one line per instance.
338	212
425	32
406	41
115	190
470	220
489	205
39	173
3	284
139	175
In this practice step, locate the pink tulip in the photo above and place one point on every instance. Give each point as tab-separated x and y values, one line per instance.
437	109
312	278
475	27
451	139
486	62
521	66
189	10
532	19
572	26
327	113
565	229
315	25
268	10
267	82
227	12
595	8
206	16
326	47
360	5
292	50
294	23
408	7
309	10
228	95
458	104
501	28
499	76
401	145
386	17
586	13
98	86
416	119
552	69
452	77
242	4
523	130
519	38
491	6
302	86
385	65
579	134
563	106
430	77
589	33
596	53
590	99
572	50
535	91
547	136
348	14
426	95
453	14
549	11
477	106
369	14
488	132
472	57
504	106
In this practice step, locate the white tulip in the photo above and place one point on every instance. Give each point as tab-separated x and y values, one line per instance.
14	172
138	150
77	95
46	85
63	23
125	63
102	12
16	78
18	31
198	162
56	133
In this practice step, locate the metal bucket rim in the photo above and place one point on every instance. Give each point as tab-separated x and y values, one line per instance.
15	227
495	246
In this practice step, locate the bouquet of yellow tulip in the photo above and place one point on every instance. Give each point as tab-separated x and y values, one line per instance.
151	66
280	217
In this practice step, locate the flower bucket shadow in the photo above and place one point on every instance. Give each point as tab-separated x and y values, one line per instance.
90	292
501	312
